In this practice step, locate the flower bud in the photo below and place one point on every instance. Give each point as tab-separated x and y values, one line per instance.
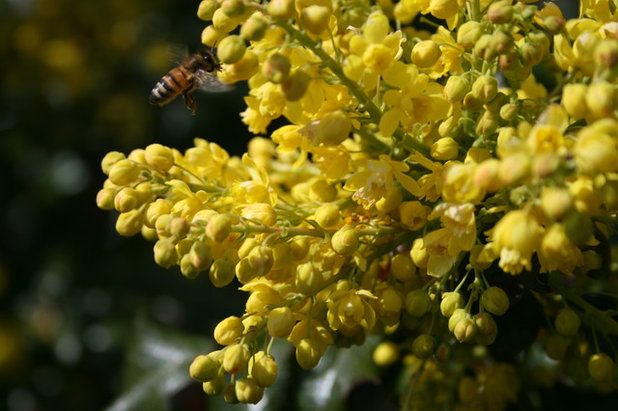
260	260
307	354
495	300
532	54
483	48
124	172
390	201
456	88
601	367
556	202
417	303
254	28
426	53
127	199
248	391
345	240
280	9
508	112
219	227
443	9
485	88
206	9
233	8
211	36
469	33
235	358
606	53
222	22
419	253
487	328
110	159
300	248
282	255
320	190
330	129
159	157
567	322
450	302
187	269
264	371
130	223
466	329
574	100
578	228
444	149
280	322
423	346
500	12
315	18
385	354
179	227
402	267
106	199
165	253
261	212
296	85
228	330
487	123
308	279
327	215
221	272
600	98
244	271
553	24
231	49
276	68
457	315
216	385
204	368
501	41
200	255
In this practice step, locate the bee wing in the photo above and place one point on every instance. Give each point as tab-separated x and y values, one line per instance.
177	52
210	83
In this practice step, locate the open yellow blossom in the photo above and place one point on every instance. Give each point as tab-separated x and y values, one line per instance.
557	252
516	237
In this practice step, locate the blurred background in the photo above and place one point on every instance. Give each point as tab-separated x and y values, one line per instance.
75	297
87	319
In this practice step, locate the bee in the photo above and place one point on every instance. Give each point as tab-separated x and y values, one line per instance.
194	71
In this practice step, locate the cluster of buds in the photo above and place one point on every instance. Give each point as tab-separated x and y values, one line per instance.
417	174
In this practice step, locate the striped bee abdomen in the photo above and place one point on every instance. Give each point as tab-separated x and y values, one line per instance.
170	86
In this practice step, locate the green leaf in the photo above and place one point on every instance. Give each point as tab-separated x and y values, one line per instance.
325	387
157	366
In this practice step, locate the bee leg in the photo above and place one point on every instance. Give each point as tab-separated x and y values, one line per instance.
190	103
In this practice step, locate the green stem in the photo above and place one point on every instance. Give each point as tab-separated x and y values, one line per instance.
474	10
601	321
313	232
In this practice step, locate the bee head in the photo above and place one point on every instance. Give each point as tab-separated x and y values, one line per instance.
208	61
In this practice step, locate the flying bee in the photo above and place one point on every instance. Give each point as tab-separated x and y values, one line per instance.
194	71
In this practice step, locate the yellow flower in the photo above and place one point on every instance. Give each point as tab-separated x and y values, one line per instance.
348	311
516	237
459	219
557	252
459	184
545	138
442	252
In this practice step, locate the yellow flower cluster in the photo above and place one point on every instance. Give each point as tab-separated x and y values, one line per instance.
415	170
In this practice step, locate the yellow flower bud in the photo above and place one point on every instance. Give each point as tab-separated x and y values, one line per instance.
426	53
261	212
345	240
300	247
307	353
231	49
221	272
444	149
487	123
233	8
500	12
219	227
501	41
495	300
282	255
165	253
124	172
514	168
138	156
276	68
553	24
485	88
465	329
567	322
402	267
155	210
200	255
228	330
222	22
487	175
210	36
376	28
248	391
556	202
574	100
327	215
264	371
330	129
508	112
281	9
596	153
179	227
110	159
419	253
204	368
487	328
187	269
296	85
413	214
601	367
159	157
417	303
423	346
606	53
469	33
206	9
322	191
586	197
385	354
390	201
280	322
309	279
254	28
130	223
216	385
601	99
483	48
235	358
456	88
315	18
443	9
450	302
260	260
106	199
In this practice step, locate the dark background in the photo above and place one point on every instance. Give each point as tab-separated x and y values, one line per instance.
74	83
